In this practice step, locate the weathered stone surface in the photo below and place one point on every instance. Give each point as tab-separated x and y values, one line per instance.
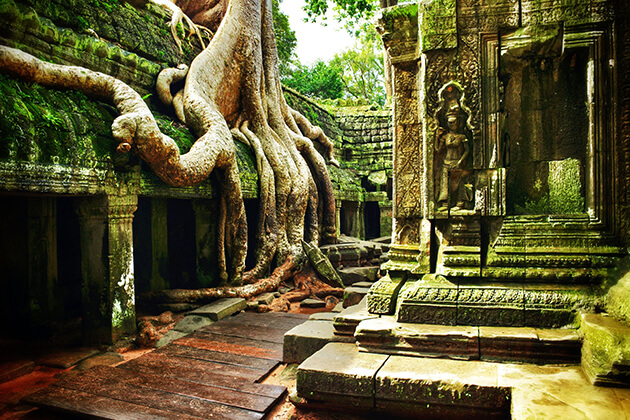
312	303
323	316
560	392
366	284
192	323
265	298
339	374
168	337
347	320
305	339
441	389
353	295
385	335
431	300
618	299
529	344
221	308
606	350
352	275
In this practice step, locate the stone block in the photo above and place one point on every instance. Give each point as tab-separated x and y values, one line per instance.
432	300
312	303
168	337
339	375
366	284
192	323
430	388
265	298
506	344
305	339
353	295
323	316
352	275
385	335
221	308
606	350
347	320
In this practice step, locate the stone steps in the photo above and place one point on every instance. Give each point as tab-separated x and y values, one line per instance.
531	345
340	376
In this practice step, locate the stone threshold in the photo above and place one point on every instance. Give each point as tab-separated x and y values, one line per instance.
340	376
496	344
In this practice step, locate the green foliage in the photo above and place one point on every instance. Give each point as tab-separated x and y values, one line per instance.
362	68
350	11
320	80
285	38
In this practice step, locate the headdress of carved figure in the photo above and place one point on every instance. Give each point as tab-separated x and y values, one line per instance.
452	107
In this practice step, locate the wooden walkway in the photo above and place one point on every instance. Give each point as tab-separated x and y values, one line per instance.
211	373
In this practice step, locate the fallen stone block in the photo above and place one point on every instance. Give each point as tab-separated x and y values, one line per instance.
265	298
192	323
353	295
168	337
312	303
352	275
221	308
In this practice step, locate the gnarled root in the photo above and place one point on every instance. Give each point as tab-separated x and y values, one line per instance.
200	296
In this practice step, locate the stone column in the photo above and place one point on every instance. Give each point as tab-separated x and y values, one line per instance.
44	302
159	244
205	241
338	215
108	289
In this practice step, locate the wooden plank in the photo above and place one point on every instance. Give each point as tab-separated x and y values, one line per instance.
236	345
236	329
111	387
157	359
176	350
279	320
82	403
151	382
187	373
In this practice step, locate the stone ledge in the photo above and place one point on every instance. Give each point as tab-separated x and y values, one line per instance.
531	345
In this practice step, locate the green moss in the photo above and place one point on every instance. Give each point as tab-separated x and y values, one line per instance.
178	132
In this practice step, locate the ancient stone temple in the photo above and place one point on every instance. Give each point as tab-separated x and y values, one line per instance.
510	215
508	161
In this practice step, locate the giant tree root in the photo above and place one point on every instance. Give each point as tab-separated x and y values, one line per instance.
200	296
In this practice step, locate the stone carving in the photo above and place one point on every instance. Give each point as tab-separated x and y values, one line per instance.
452	152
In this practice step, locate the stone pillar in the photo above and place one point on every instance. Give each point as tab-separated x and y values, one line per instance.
108	289
360	220
385	208
159	245
338	204
205	241
44	301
